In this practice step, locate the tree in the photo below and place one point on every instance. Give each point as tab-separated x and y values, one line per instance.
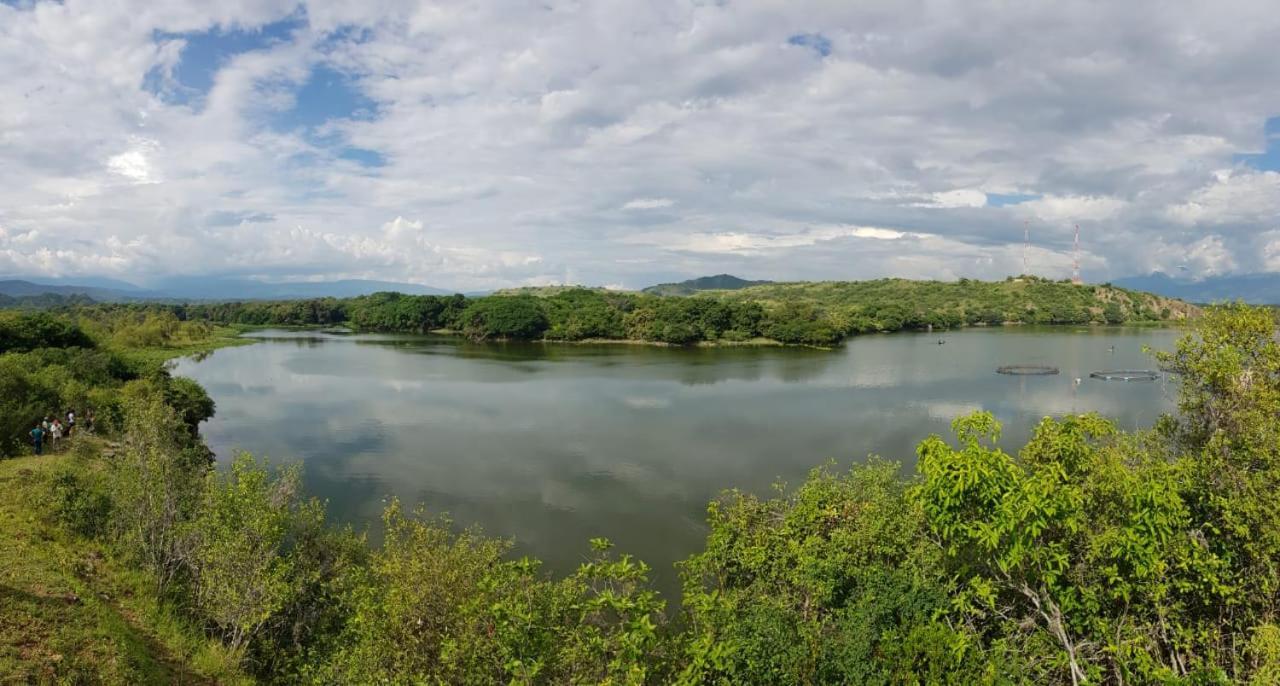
517	317
1113	314
24	331
836	582
157	481
1081	536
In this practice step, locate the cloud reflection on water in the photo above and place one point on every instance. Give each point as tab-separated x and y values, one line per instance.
553	444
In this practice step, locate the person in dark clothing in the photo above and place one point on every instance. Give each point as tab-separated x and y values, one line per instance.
37	439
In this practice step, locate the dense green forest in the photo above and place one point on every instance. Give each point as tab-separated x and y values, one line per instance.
821	314
1089	555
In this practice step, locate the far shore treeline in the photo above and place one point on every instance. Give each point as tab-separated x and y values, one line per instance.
818	313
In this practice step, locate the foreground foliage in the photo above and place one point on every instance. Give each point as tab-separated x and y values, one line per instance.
1090	555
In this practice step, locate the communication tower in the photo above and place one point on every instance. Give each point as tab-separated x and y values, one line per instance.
1026	245
1075	265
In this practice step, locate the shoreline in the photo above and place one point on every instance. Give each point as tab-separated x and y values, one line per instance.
760	342
165	356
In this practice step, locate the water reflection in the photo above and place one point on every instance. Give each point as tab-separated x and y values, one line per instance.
554	444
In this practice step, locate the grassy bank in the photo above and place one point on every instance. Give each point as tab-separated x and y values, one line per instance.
71	613
220	337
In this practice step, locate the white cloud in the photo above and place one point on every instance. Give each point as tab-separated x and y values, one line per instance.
1207	256
962	197
638	142
1245	199
648	203
1052	208
751	243
134	165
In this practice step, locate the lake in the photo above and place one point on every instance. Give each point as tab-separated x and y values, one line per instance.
553	444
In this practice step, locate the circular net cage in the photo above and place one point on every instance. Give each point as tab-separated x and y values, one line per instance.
1126	375
1027	370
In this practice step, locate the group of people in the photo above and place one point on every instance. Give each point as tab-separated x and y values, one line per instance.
53	430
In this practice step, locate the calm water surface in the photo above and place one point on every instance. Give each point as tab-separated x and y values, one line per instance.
552	444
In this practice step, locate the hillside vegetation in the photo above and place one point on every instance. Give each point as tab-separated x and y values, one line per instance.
719	282
1089	555
1025	300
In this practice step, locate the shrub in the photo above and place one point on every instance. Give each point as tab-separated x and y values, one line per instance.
241	576
189	400
444	607
832	583
79	504
325	566
157	483
422	609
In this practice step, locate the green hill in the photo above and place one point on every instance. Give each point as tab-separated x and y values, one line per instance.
719	282
1022	300
547	291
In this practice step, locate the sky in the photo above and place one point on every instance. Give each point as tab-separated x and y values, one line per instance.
483	144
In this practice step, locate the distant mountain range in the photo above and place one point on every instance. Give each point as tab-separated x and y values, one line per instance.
16	288
42	300
719	282
1261	288
195	288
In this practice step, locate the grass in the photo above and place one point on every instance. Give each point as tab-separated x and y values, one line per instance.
222	337
71	613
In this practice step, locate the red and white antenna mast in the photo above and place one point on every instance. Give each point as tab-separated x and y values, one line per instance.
1026	244
1075	266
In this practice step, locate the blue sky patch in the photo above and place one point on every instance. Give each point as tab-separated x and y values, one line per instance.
327	94
814	41
206	52
1270	159
1005	200
363	157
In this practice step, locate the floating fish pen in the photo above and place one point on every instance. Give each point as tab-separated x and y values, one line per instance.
1126	375
1027	370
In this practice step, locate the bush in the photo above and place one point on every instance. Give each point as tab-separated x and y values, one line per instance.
189	400
157	482
241	576
832	583
26	396
420	616
326	564
78	504
440	607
